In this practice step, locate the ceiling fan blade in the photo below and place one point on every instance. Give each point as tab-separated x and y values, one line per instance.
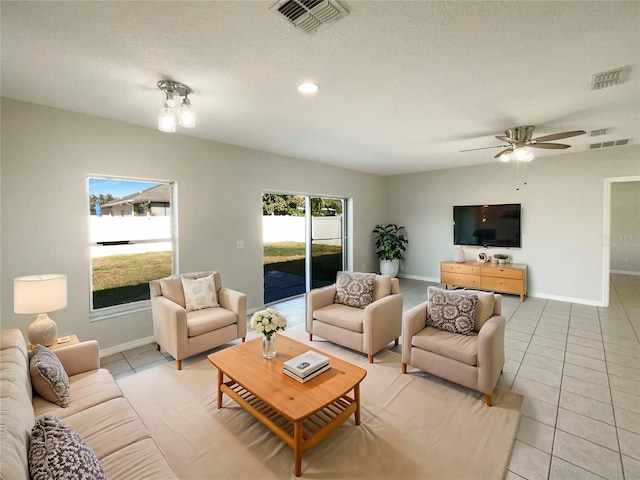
558	136
483	148
506	139
552	146
503	152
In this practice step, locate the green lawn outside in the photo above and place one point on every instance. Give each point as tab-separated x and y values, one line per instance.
277	252
120	279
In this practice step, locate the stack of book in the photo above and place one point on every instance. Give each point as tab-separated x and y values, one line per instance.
306	366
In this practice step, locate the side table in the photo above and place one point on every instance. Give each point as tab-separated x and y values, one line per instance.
60	342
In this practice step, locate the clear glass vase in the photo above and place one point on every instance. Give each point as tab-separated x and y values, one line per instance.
269	346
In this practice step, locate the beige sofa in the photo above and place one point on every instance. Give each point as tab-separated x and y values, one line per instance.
184	333
367	330
474	361
97	410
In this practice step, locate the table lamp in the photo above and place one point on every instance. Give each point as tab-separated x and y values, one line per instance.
40	294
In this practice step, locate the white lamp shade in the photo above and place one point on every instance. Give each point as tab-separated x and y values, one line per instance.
39	293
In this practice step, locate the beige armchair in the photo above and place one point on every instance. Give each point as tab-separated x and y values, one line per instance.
474	361
185	325
368	329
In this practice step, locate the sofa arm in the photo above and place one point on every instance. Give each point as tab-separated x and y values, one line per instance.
318	298
80	357
413	320
237	303
170	326
490	353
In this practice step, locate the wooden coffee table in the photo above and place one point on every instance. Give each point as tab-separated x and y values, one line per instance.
300	414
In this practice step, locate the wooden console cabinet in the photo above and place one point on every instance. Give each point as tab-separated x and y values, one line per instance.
507	278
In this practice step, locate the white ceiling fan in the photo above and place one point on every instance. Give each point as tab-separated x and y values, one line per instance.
519	140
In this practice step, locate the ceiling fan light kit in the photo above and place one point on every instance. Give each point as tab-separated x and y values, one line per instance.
519	140
167	117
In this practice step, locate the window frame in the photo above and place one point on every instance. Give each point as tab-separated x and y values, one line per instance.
111	311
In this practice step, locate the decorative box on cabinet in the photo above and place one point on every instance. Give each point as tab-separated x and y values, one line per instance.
508	278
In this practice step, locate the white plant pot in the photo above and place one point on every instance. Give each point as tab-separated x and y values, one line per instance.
389	267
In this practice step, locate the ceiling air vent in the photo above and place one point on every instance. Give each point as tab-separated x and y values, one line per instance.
309	15
597	133
609	79
616	143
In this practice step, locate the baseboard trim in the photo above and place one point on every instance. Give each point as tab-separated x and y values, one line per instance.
559	298
123	347
625	272
418	277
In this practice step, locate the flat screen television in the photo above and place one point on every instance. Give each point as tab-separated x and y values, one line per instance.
487	225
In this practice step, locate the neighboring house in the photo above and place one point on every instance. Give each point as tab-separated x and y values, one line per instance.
155	201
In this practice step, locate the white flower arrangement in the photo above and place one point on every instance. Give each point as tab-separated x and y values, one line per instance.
268	322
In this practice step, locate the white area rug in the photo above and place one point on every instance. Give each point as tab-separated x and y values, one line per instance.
414	426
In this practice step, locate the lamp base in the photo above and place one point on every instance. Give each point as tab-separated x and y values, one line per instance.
43	331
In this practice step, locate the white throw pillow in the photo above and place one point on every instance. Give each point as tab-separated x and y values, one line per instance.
199	293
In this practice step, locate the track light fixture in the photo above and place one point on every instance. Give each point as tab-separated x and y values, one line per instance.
167	117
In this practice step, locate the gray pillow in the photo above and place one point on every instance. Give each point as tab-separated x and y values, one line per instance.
452	311
48	376
57	451
354	289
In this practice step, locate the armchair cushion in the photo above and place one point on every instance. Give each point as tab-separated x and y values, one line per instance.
354	289
462	348
171	288
199	293
453	312
208	320
341	316
48	376
484	307
382	287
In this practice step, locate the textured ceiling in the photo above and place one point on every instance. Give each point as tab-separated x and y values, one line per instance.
404	86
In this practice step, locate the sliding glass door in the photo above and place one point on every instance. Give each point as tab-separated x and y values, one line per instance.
303	243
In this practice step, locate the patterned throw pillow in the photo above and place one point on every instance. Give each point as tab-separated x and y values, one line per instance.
354	289
199	293
453	312
58	451
48	376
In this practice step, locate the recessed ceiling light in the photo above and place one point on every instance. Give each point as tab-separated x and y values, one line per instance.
308	87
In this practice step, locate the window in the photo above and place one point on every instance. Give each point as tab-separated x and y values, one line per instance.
132	240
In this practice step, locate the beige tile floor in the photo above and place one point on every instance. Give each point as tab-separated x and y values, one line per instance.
577	366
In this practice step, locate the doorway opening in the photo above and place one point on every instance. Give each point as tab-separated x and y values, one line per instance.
304	240
620	235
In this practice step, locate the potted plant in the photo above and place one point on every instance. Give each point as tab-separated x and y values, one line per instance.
502	258
390	243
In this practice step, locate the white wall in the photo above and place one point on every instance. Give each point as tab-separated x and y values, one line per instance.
283	228
562	201
625	227
47	155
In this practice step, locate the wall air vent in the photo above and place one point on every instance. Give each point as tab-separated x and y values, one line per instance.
609	79
615	143
309	15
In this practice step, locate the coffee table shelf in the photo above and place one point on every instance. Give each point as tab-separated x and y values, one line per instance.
315	428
